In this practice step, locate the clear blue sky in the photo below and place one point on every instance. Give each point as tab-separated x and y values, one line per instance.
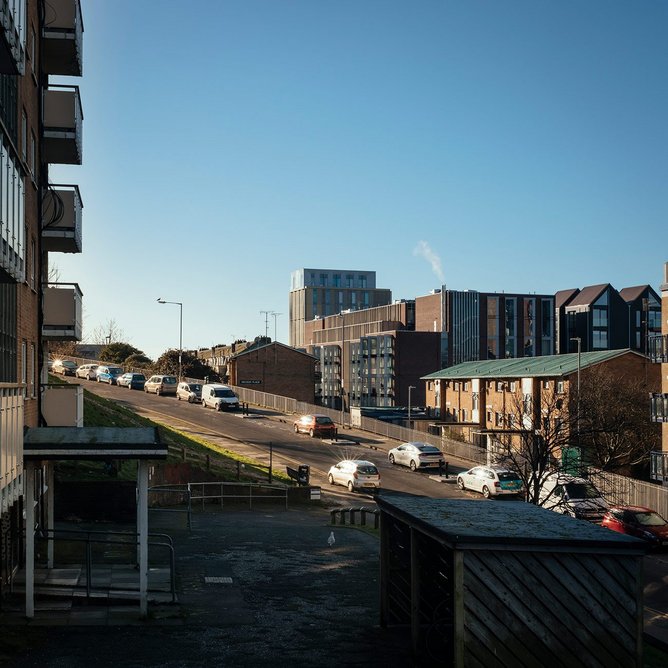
515	145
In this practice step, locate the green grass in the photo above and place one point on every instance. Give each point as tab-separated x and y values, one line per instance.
100	412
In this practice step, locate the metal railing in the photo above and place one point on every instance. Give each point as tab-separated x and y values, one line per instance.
118	538
624	491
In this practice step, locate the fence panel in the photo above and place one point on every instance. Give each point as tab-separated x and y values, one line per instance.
621	490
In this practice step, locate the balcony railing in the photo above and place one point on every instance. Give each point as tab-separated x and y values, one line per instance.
658	466
62	405
12	36
658	407
658	348
61	219
63	125
62	38
11	443
62	312
12	224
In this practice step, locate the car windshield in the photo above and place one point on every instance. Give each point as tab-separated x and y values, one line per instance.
367	469
72	365
195	388
323	420
581	490
507	475
650	519
225	394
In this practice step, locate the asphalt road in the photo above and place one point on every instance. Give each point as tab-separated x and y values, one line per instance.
289	448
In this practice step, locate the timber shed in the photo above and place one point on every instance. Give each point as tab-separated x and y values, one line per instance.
505	583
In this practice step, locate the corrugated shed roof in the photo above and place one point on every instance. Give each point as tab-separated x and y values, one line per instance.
526	367
589	295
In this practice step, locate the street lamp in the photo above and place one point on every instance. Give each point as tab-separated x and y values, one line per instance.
410	387
579	342
180	305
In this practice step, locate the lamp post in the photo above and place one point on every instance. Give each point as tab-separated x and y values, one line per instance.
410	387
180	305
579	342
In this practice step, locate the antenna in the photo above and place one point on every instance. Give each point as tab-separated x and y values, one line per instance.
275	315
266	322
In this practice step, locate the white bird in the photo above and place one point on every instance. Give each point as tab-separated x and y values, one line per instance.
331	540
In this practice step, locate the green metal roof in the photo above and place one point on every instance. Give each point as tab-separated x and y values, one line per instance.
525	367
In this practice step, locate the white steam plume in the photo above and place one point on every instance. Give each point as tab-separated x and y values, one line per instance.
424	249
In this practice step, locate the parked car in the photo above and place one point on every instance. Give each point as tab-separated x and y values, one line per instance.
416	455
87	371
491	481
220	397
191	392
355	474
108	374
161	384
64	367
133	381
315	425
640	522
567	494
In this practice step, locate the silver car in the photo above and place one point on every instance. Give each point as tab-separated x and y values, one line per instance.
87	371
191	392
355	474
416	455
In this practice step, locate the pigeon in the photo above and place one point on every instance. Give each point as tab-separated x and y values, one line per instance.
331	540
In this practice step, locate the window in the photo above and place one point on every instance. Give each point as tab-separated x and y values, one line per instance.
489	416
526	404
32	156
24	365
513	385
474	401
337	280
560	387
546	384
466	386
463	415
32	267
24	135
499	386
499	419
362	280
33	371
511	420
455	386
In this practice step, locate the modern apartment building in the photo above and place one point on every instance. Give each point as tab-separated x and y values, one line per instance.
599	317
318	293
659	401
487	325
40	124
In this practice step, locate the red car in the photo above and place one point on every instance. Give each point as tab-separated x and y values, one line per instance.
315	425
639	522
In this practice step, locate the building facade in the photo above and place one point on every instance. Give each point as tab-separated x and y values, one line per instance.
487	325
659	400
40	124
318	293
599	317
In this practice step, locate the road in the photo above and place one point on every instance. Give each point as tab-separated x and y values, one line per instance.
288	448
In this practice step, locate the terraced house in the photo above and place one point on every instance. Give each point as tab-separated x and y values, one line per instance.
40	125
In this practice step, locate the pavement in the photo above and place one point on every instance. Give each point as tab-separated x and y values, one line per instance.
253	587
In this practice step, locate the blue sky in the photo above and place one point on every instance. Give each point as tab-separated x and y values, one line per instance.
517	146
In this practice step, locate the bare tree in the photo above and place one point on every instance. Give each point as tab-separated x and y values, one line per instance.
537	434
614	416
107	333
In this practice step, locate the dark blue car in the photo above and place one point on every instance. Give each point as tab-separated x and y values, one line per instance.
133	381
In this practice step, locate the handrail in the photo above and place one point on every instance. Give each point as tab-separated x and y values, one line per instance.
50	534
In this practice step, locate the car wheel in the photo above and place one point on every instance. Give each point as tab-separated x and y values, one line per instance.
219	407
157	392
351	487
460	484
391	458
311	433
296	429
486	492
98	379
178	396
330	479
413	465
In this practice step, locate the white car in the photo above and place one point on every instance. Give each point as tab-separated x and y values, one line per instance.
87	371
490	481
416	455
190	392
355	474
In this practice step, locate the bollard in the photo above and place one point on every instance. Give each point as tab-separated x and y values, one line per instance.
363	517
352	515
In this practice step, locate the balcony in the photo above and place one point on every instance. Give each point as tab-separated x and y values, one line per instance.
61	219
658	407
62	38
12	36
62	405
63	125
658	466
62	312
11	444
658	348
